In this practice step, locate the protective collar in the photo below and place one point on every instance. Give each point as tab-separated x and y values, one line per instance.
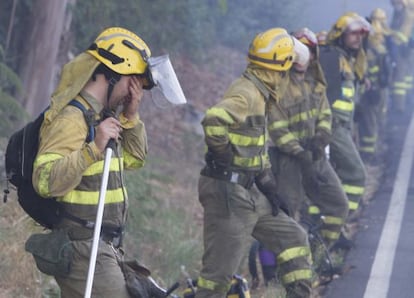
275	82
74	77
360	64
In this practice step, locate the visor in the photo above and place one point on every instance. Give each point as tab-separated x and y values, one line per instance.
307	37
359	25
302	54
166	83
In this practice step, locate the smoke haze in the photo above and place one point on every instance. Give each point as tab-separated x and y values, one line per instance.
323	13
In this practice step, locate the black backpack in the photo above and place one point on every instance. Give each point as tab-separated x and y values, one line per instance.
21	152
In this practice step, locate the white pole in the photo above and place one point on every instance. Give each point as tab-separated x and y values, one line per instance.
98	222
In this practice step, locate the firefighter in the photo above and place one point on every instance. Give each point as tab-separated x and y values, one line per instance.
236	159
300	128
402	25
344	59
372	109
109	76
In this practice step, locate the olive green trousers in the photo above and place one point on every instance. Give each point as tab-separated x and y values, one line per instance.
108	280
347	163
370	116
232	215
327	199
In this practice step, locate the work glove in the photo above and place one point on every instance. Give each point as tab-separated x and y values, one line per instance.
266	183
309	173
219	160
318	143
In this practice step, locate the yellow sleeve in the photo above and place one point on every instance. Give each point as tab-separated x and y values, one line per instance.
134	142
63	155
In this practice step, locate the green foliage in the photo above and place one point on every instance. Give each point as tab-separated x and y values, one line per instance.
160	234
244	19
20	25
11	112
223	5
170	26
187	27
9	80
89	18
12	115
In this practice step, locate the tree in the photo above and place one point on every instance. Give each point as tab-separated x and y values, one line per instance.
37	70
11	112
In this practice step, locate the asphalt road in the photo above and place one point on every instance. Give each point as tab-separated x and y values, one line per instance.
382	261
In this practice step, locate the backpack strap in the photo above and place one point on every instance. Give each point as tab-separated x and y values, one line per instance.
89	118
329	60
83	222
90	121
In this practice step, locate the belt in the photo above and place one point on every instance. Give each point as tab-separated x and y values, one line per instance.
109	234
244	179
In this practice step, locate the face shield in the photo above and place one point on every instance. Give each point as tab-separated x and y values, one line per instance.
360	25
302	54
166	86
308	38
160	78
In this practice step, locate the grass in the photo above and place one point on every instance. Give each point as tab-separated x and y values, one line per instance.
161	234
20	277
163	231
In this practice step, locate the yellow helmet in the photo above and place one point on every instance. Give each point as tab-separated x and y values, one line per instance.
379	24
307	37
121	51
322	36
348	22
272	49
302	53
378	14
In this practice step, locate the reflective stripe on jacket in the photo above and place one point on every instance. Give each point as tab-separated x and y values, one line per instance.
71	170
239	120
303	110
402	23
341	82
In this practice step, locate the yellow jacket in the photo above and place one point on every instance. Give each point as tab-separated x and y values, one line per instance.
239	119
68	168
299	115
402	24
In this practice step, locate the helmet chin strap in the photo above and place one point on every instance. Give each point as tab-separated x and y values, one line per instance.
111	84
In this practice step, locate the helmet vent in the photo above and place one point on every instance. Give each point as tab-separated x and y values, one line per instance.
121	50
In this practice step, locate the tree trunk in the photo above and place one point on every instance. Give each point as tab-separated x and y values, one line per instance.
40	53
